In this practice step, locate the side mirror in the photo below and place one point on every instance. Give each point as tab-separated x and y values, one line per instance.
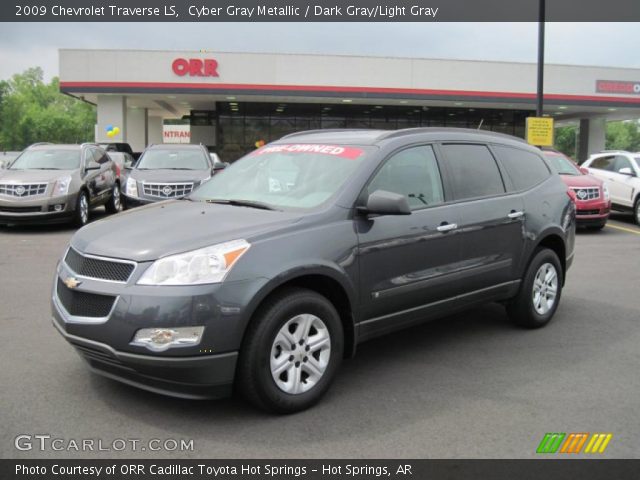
382	202
626	171
584	170
218	167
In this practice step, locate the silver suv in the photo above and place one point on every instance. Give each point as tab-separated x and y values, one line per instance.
58	183
620	171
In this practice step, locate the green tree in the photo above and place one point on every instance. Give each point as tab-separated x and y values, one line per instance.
34	111
623	135
565	140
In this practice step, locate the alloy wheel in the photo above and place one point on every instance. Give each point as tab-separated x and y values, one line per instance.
545	288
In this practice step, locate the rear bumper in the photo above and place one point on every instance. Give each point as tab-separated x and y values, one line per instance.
195	377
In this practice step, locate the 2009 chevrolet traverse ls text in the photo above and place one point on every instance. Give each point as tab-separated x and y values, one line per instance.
271	273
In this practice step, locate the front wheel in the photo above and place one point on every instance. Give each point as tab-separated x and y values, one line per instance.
540	291
291	352
636	211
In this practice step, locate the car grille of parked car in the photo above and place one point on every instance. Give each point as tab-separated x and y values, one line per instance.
587	212
22	190
84	304
20	209
167	190
99	269
586	193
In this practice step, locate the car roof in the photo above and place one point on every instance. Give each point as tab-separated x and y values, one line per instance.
175	146
377	137
57	146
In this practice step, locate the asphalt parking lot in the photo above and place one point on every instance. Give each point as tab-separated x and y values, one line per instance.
468	386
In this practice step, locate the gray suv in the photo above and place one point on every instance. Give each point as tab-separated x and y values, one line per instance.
58	183
270	274
167	171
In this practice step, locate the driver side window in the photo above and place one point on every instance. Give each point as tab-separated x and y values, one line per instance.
413	173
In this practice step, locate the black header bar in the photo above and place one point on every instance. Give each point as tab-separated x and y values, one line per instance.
316	11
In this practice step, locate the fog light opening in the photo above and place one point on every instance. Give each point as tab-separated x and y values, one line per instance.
160	339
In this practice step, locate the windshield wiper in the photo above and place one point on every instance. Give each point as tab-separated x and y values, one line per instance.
43	168
242	203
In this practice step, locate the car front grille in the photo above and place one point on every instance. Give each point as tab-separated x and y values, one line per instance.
167	190
587	212
586	193
20	209
100	269
84	304
22	189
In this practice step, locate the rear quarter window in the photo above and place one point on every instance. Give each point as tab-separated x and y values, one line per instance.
525	169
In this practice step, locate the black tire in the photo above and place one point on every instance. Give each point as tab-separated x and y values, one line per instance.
114	205
254	377
636	211
79	219
521	309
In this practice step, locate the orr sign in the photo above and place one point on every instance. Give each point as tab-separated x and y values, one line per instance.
195	67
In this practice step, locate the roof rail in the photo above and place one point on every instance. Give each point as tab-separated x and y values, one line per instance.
318	130
86	144
409	131
614	151
37	144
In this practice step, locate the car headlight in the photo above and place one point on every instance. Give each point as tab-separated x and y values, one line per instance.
205	265
131	188
61	187
605	192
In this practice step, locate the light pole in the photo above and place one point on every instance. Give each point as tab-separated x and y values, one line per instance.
540	99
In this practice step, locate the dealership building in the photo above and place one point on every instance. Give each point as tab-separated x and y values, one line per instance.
233	100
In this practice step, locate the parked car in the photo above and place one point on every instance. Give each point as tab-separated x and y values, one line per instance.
120	147
6	158
593	202
269	289
123	161
620	172
167	171
58	183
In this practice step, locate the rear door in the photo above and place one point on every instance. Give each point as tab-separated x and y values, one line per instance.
622	185
603	168
407	261
491	224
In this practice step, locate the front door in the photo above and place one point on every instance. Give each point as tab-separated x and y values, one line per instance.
406	261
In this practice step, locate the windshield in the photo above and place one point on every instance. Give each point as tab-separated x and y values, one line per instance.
284	176
562	164
54	159
173	160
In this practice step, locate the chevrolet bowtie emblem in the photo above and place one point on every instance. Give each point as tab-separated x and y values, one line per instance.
71	282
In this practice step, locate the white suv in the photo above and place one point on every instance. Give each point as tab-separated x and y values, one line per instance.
620	171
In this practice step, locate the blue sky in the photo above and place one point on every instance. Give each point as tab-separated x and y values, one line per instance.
23	45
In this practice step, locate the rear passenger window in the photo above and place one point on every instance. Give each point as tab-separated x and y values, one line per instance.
413	173
473	170
603	163
525	169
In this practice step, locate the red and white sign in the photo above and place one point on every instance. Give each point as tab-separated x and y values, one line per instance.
615	86
176	133
195	67
332	150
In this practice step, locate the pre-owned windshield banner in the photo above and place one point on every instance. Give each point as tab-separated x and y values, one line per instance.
317	11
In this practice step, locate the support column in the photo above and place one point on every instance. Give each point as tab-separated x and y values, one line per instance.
112	110
592	137
137	128
154	133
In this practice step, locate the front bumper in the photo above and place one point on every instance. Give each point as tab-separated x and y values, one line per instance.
205	370
200	377
37	209
592	213
132	202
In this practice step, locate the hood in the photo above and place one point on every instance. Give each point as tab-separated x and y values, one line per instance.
167	176
35	176
581	181
175	226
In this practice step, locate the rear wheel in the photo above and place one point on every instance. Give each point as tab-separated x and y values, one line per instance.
539	295
81	216
291	352
114	205
636	211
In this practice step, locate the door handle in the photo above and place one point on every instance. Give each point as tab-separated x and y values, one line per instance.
447	227
514	214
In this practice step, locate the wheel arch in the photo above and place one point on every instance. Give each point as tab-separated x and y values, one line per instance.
554	241
324	280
